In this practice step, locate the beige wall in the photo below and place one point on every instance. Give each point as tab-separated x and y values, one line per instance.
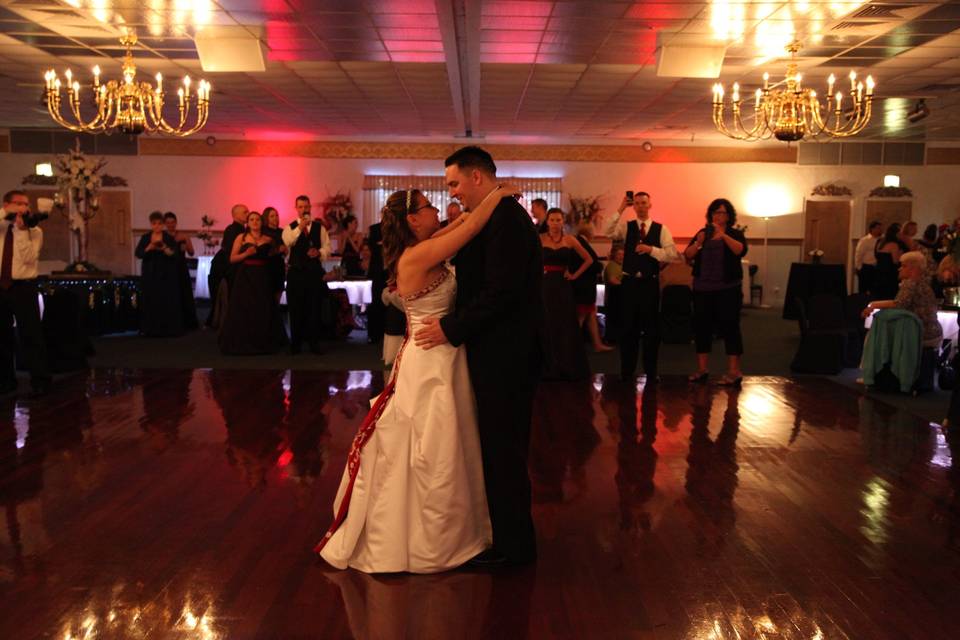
193	186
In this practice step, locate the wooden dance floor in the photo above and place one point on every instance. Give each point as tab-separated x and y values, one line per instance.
184	504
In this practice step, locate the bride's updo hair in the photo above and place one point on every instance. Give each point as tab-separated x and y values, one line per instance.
397	234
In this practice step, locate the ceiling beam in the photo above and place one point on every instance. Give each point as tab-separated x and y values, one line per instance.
460	29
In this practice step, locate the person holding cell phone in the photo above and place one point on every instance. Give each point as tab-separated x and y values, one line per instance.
715	252
647	247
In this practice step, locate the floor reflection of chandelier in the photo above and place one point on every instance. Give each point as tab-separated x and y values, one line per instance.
127	106
788	112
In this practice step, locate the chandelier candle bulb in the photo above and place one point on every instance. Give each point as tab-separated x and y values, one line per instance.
870	85
830	82
96	76
766	81
839	100
159	83
757	103
736	92
799	77
853	81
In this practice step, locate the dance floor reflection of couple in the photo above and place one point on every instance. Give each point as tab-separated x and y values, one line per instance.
437	474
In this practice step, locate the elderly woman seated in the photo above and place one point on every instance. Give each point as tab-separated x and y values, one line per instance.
915	295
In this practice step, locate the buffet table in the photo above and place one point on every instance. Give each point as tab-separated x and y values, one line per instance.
93	305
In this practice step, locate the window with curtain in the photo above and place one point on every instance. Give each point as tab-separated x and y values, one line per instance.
376	190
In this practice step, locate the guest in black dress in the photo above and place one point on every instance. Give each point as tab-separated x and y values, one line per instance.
278	264
161	302
184	249
351	243
564	355
252	324
585	288
888	254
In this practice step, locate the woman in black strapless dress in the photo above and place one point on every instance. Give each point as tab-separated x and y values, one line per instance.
564	355
253	324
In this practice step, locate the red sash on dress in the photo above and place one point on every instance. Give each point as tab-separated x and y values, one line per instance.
364	433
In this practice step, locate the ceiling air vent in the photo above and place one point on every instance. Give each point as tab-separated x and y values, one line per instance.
847	24
882	11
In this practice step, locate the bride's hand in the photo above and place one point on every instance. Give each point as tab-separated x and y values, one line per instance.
508	189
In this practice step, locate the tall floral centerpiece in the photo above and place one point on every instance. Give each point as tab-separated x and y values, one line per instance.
335	209
210	242
79	182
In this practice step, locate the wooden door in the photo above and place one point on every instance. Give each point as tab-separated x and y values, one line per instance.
827	227
58	242
109	239
888	211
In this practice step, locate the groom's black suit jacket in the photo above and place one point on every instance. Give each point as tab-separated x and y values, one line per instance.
499	312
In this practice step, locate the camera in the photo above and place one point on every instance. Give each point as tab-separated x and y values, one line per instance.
29	219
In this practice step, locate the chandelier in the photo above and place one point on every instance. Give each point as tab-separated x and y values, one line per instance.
788	112
127	106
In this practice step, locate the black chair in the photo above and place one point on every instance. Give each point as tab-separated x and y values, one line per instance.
676	314
853	308
823	335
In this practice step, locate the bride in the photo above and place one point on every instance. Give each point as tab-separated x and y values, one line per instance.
412	496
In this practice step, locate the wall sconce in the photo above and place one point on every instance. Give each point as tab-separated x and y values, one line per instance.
891	181
43	169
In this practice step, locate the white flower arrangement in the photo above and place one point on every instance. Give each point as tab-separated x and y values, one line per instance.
80	174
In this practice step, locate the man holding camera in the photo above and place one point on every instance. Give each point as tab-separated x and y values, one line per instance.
647	247
20	242
309	245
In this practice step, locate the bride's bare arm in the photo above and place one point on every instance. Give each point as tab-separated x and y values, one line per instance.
436	249
450	227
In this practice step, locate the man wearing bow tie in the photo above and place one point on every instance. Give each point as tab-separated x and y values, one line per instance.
648	247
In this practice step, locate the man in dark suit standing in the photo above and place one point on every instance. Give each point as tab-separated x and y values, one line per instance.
220	267
498	317
648	247
307	290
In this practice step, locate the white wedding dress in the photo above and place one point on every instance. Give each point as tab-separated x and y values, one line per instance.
417	501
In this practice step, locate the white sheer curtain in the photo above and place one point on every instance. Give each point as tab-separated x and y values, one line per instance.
376	190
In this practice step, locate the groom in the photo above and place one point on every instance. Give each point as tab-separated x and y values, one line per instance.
498	317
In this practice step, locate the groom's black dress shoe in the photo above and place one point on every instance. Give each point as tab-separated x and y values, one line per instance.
487	559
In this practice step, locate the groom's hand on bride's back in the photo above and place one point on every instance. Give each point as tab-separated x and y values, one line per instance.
430	334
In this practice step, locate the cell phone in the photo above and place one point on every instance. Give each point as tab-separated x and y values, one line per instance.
630	196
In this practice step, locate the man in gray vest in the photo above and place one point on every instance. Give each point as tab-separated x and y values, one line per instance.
648	246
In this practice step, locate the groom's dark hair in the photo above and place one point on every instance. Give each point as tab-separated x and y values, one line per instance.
472	157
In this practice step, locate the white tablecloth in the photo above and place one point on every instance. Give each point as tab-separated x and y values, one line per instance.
358	291
200	289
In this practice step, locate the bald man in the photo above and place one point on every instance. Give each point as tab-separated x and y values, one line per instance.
220	268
